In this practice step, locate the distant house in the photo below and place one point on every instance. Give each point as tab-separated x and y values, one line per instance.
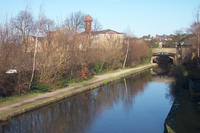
163	38
147	38
108	36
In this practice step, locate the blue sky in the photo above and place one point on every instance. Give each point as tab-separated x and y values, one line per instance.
141	17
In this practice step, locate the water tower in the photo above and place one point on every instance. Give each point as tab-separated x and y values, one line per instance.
88	24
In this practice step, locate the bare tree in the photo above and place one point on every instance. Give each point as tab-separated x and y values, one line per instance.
198	30
127	49
96	26
195	29
23	24
4	33
127	41
75	22
46	24
43	25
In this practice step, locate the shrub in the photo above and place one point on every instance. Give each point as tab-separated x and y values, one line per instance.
8	84
97	68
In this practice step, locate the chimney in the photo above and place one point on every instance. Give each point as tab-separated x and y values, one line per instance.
88	24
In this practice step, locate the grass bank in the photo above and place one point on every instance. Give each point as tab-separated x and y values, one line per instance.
22	105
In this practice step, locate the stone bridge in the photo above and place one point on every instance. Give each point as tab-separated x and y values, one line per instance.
157	52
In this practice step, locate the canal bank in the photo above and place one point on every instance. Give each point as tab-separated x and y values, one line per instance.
184	115
21	107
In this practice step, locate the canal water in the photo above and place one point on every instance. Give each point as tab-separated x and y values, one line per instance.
138	104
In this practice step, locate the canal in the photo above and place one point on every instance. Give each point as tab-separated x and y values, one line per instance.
136	104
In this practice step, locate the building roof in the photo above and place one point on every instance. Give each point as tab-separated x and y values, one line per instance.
107	31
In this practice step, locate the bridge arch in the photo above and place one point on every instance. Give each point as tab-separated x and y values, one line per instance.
170	57
169	53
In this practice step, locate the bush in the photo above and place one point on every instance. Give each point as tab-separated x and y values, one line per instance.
8	84
97	68
155	45
17	83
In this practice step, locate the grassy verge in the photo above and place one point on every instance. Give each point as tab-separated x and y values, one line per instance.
4	101
40	89
6	115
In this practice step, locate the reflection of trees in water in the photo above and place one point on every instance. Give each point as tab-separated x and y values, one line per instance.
134	87
180	82
76	114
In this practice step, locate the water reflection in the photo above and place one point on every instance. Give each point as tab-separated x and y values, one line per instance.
80	113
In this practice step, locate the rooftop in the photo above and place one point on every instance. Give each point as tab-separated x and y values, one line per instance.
107	31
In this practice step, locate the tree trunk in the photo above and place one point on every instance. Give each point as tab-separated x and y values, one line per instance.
34	62
126	54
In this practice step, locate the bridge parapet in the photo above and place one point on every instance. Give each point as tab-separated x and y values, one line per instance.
164	50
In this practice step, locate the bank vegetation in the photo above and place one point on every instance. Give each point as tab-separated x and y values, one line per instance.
38	55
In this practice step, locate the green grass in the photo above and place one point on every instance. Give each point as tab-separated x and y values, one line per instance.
39	88
79	82
109	71
65	83
16	98
36	89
